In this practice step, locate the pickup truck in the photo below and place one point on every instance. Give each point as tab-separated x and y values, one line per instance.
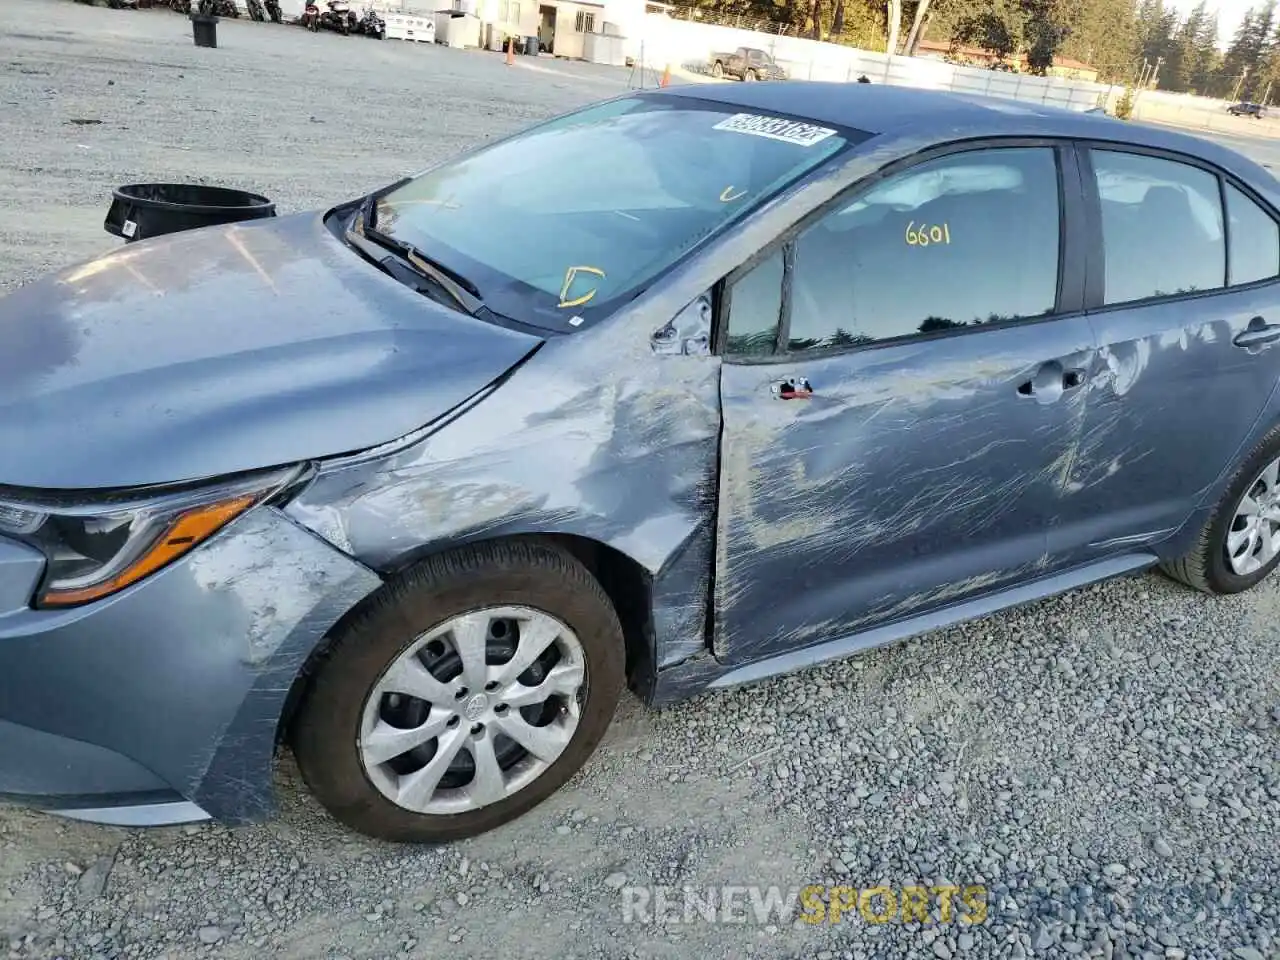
746	63
1246	108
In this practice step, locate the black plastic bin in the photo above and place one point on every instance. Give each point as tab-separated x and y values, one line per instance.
204	29
531	46
142	210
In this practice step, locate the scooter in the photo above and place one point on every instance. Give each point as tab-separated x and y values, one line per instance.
219	8
274	11
372	25
257	12
311	16
338	17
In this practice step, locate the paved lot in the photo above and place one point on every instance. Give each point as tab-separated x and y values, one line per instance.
1106	764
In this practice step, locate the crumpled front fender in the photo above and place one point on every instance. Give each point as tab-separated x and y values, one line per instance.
187	673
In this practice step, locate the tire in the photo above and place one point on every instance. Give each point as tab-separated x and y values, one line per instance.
749	76
717	70
1206	566
337	705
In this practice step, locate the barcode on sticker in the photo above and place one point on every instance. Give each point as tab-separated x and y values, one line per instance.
130	228
775	128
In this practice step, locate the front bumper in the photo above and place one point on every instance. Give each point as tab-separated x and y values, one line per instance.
161	704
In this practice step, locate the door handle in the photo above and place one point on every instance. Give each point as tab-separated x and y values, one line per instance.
1051	381
791	388
1259	333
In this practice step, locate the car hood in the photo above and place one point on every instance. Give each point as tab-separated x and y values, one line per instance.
226	349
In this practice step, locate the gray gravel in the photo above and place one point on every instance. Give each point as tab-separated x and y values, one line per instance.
1106	764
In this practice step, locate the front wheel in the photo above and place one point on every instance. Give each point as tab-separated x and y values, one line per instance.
749	76
467	693
1240	543
717	70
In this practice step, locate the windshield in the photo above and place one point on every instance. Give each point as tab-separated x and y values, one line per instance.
566	221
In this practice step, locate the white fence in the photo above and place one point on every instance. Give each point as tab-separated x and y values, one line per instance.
661	41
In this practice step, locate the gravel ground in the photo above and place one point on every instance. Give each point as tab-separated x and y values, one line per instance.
1105	764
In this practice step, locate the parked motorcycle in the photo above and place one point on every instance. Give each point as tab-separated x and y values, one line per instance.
372	25
257	11
311	16
274	11
339	17
218	8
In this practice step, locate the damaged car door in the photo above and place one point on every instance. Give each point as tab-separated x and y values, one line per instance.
902	381
1185	308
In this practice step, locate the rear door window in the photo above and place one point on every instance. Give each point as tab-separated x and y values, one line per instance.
1162	229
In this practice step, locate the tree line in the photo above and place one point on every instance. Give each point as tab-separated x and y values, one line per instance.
1127	41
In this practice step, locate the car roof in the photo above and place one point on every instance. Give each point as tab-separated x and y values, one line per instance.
935	117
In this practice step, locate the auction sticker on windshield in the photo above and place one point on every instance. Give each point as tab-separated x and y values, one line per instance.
775	128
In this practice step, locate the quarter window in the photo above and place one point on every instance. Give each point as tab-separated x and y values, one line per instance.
1254	240
755	307
1161	227
967	239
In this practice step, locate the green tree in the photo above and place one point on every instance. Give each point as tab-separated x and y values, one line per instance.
1243	66
989	29
1206	60
1043	30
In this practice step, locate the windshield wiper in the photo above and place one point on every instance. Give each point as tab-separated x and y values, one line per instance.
372	242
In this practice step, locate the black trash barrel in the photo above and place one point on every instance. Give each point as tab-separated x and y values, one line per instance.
531	46
205	29
142	210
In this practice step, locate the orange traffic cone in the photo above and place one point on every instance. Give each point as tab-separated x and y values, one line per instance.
666	76
511	50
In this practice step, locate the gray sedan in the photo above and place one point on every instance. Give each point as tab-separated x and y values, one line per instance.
682	390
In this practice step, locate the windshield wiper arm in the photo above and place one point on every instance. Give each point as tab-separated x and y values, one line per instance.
364	235
401	268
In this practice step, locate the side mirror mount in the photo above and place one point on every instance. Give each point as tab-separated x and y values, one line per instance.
689	332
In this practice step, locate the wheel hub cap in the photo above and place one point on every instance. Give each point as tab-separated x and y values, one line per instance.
473	710
1253	538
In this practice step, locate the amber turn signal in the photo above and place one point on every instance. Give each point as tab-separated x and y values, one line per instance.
183	534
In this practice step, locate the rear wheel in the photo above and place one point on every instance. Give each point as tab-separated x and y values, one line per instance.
1240	543
750	75
466	694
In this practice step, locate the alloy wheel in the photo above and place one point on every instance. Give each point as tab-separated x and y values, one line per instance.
1253	538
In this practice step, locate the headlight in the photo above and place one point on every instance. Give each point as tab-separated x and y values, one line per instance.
95	549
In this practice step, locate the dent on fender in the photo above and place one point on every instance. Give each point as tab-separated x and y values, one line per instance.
235	620
610	434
